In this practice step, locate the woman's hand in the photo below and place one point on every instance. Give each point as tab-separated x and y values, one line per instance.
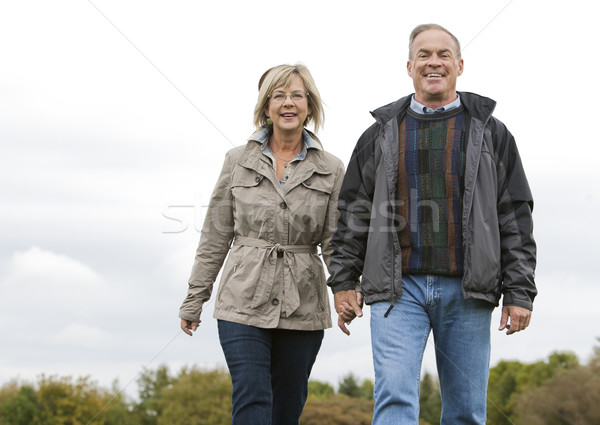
189	327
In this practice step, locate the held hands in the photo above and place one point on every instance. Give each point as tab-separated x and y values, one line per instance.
189	327
519	319
348	305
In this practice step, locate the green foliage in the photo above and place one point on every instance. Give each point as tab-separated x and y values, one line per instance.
62	401
319	390
558	391
151	384
350	386
19	408
430	400
510	379
197	398
337	410
366	388
570	397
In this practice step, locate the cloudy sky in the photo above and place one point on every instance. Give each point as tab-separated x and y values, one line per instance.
115	117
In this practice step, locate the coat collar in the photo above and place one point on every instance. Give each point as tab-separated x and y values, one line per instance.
477	106
254	159
315	156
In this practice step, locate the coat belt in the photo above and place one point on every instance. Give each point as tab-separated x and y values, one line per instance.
291	300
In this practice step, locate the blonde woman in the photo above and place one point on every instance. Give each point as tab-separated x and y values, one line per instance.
274	204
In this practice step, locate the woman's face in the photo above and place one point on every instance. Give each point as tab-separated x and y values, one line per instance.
288	107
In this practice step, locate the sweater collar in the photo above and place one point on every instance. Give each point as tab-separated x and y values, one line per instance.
477	106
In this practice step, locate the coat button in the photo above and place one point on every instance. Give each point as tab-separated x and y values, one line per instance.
307	182
257	179
275	301
283	205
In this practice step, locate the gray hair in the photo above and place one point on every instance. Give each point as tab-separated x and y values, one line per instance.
425	27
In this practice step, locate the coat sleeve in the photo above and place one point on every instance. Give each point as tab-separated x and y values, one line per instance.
215	241
332	215
515	207
354	204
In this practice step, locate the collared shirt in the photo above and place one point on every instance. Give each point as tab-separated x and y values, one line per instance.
422	109
309	143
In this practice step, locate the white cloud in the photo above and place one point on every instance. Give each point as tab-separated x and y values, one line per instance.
82	335
96	144
37	269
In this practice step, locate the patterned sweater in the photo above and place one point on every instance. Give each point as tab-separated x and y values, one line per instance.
430	192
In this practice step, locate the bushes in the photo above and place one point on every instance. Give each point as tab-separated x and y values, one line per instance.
553	392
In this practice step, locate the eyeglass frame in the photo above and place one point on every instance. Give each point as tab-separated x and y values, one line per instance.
290	95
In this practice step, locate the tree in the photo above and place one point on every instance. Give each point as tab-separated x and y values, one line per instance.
510	379
20	407
319	390
570	397
196	398
151	385
349	386
430	400
337	410
62	401
366	389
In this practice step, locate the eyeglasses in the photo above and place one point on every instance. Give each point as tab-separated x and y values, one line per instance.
280	97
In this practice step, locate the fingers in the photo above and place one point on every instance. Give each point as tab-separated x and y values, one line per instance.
348	306
514	319
342	325
346	312
348	302
359	299
188	327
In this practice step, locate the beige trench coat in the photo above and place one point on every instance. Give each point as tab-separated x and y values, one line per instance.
273	277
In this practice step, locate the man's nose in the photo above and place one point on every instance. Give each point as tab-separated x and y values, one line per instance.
434	60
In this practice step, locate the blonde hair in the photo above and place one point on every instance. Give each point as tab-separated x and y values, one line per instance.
281	76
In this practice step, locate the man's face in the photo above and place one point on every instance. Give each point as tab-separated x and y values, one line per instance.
434	68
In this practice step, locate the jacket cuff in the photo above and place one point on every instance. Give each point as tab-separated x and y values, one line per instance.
189	317
344	286
510	299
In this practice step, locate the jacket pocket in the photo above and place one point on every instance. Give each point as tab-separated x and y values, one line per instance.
309	203
253	203
311	285
241	278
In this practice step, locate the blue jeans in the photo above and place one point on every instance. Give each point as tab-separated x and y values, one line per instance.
461	331
269	371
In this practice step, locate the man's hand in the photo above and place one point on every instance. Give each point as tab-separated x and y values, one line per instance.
188	326
519	319
348	306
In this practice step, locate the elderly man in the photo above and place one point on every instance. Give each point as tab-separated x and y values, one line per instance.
436	225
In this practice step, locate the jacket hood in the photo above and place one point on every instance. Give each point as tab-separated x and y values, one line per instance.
479	107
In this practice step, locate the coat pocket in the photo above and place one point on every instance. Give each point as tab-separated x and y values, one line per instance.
253	203
309	203
241	278
311	285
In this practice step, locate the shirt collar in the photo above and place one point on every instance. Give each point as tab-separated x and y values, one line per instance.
262	136
419	108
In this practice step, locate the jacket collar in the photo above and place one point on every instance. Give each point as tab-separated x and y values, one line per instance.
477	106
315	156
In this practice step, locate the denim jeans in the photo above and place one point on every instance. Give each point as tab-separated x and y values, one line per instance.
461	331
269	371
